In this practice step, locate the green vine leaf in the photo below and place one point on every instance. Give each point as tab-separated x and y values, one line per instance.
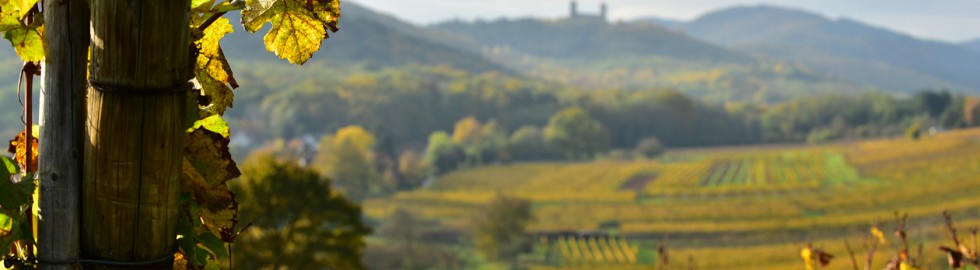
27	41
212	69
213	243
14	199
14	195
298	26
213	123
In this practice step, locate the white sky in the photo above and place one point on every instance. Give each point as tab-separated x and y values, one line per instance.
947	20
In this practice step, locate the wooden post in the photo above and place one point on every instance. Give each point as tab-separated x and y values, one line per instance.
62	112
135	130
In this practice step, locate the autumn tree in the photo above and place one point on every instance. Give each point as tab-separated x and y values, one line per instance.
300	221
575	134
480	142
348	157
413	168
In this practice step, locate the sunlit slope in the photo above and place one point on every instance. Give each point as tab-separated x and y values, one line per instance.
717	199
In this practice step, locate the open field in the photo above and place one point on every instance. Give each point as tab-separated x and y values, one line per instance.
737	208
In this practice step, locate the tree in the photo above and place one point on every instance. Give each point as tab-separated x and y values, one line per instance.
300	222
442	152
649	147
348	157
527	143
481	142
933	102
413	168
500	229
575	134
971	111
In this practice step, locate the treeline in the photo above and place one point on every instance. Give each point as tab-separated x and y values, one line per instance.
445	119
404	106
827	118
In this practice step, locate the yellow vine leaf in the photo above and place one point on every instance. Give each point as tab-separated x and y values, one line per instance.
18	147
213	123
202	5
212	70
12	13
298	26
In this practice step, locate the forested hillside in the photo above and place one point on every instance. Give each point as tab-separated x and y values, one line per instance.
588	39
972	45
404	82
842	48
594	54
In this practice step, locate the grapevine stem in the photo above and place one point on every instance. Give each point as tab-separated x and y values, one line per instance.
29	68
210	20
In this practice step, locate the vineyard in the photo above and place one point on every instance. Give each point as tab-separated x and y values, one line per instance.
706	203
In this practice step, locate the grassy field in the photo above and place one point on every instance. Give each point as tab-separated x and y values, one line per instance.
726	208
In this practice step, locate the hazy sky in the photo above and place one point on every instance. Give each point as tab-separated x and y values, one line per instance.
948	20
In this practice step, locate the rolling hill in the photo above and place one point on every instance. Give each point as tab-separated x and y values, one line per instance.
593	54
588	39
844	48
370	37
972	45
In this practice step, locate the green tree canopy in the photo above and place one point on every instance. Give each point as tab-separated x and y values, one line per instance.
442	152
574	133
299	221
527	143
500	229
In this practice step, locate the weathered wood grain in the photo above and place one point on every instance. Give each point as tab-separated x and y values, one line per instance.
66	37
135	142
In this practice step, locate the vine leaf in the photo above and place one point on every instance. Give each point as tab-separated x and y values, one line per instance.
212	69
14	198
26	39
298	26
202	6
13	11
18	147
213	123
207	168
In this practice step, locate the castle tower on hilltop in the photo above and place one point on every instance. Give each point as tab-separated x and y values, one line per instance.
603	9
575	14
